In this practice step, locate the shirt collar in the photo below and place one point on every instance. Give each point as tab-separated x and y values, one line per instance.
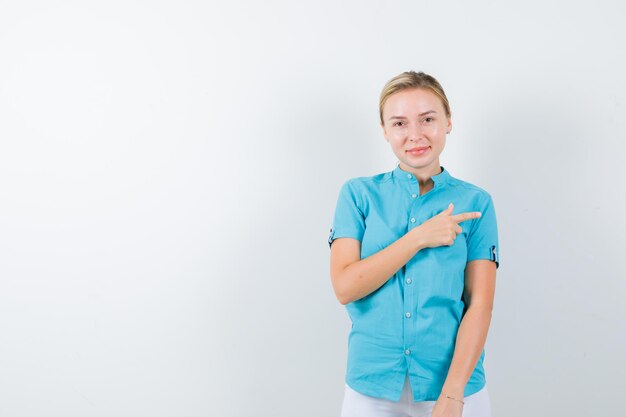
439	179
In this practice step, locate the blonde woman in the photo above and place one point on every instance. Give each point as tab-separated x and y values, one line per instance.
413	257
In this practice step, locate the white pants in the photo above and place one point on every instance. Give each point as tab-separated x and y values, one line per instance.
356	404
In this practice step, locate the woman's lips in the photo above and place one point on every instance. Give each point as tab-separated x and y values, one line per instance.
419	151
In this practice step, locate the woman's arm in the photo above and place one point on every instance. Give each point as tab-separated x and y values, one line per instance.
480	283
353	278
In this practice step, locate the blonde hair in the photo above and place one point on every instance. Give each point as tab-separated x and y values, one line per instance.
408	80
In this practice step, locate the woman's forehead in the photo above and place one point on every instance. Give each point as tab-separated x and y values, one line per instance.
420	100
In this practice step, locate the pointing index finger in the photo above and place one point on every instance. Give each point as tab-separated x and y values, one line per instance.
461	217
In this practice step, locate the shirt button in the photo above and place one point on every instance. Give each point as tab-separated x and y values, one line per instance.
407	352
407	314
413	195
409	280
412	219
408	175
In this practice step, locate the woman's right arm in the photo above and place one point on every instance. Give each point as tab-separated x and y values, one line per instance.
354	278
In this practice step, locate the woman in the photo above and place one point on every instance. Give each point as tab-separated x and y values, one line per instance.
413	259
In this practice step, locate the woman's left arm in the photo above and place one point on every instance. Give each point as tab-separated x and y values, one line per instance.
480	284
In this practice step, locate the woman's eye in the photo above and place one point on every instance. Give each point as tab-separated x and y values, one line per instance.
397	123
429	119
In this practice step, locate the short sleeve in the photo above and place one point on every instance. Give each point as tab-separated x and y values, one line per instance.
348	220
482	240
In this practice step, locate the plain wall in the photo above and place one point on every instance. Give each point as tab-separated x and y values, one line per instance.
169	172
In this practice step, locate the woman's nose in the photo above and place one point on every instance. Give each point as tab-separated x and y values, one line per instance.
415	131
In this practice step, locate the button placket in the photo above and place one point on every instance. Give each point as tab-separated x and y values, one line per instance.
409	288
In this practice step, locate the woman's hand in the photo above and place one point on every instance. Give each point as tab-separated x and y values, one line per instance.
447	407
443	228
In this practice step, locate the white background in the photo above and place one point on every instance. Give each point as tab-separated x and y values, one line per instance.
169	172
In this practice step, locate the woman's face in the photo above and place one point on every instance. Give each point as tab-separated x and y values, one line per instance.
416	118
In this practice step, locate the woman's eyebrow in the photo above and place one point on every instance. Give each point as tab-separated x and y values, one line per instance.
421	114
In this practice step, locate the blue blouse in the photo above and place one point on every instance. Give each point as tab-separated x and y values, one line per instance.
410	323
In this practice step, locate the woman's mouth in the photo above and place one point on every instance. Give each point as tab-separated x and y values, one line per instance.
418	151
